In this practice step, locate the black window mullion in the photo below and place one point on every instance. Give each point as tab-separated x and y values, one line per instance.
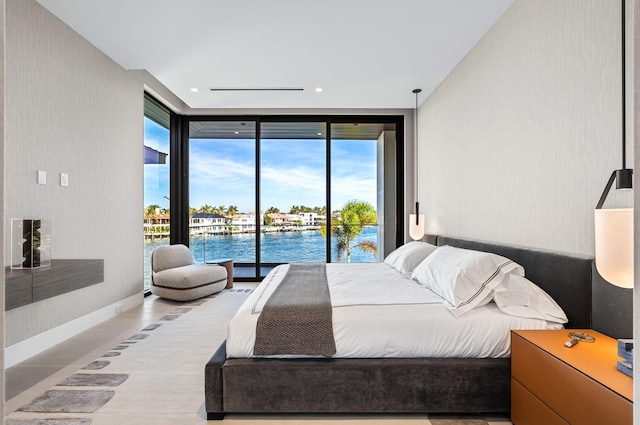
257	202
400	210
328	189
179	180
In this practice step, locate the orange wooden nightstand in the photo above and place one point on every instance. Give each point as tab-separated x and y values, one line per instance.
552	384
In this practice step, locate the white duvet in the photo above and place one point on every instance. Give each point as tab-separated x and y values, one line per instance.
379	312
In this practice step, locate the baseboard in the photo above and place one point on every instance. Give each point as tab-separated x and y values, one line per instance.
22	350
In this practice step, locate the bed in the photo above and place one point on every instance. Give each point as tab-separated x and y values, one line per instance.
406	382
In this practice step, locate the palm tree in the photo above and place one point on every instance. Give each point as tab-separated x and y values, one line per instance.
353	217
320	210
206	208
151	210
232	210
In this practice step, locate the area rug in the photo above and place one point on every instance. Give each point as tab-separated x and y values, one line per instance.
71	401
94	380
97	365
161	378
52	421
161	355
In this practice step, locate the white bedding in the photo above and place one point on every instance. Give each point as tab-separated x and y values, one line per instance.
379	312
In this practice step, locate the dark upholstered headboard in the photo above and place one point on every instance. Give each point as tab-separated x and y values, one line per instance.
566	278
572	280
611	308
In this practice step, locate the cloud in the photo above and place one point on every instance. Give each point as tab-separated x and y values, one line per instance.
351	187
291	174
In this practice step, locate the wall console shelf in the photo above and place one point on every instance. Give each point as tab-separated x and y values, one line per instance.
26	286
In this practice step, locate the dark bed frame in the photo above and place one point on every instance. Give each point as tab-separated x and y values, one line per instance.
414	385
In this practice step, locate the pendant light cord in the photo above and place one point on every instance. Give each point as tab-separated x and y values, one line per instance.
415	156
624	176
624	89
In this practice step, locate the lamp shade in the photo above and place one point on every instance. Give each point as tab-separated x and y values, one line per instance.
614	245
416	231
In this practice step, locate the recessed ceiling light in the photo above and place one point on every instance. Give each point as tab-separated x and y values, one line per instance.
319	134
318	89
256	89
194	89
236	132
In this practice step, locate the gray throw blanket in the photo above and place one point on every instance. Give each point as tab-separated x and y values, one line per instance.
297	317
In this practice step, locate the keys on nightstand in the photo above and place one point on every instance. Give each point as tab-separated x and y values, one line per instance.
577	337
571	342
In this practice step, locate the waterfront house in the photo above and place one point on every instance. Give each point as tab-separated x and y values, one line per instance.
243	223
157	225
311	219
207	223
300	221
279	219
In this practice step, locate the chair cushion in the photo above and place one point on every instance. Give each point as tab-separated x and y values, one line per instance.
188	294
169	256
191	276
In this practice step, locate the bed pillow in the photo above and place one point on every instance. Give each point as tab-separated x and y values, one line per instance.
408	256
464	278
518	296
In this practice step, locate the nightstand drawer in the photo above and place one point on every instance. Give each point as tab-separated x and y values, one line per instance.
527	409
573	395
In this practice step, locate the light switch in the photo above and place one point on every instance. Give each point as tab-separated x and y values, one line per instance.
64	179
42	177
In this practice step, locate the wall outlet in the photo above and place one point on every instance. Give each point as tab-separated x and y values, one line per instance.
42	177
64	179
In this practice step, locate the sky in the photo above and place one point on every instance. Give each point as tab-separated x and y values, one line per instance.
222	172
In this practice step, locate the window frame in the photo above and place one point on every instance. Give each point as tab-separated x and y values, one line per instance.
179	170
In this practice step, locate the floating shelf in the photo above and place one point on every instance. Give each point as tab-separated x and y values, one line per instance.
27	286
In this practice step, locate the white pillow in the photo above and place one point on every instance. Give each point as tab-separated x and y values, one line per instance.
408	256
464	278
518	296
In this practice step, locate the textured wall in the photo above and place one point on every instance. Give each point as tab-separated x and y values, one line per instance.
71	109
2	321
519	140
636	185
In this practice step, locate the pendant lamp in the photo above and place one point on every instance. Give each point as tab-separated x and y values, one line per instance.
614	226
416	221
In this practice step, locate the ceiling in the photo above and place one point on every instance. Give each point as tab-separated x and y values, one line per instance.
364	54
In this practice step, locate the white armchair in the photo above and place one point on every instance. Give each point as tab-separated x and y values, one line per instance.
174	275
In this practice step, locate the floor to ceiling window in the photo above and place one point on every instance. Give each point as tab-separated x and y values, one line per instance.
156	180
354	202
271	190
293	191
222	192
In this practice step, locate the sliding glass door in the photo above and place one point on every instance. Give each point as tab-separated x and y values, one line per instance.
222	192
270	190
293	191
354	203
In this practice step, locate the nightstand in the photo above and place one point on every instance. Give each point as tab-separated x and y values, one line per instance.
552	384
